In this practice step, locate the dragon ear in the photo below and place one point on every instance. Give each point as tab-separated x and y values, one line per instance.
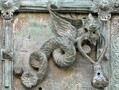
91	18
91	21
62	26
88	22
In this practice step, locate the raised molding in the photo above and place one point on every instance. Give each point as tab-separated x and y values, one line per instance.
65	6
7	8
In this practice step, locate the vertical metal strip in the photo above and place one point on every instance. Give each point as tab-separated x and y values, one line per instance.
7	9
7	62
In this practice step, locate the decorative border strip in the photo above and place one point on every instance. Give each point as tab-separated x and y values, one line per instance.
65	6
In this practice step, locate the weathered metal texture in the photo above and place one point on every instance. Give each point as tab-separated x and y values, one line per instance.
114	54
92	32
76	6
65	5
31	31
38	31
63	49
1	41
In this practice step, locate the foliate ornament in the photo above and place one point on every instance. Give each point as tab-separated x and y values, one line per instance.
7	8
103	8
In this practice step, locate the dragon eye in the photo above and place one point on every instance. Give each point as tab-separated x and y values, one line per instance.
85	30
93	32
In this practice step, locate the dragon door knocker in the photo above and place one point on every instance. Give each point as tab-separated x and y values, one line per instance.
71	33
99	79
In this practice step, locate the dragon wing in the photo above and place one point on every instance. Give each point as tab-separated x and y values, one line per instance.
64	26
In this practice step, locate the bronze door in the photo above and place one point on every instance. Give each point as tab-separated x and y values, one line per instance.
59	45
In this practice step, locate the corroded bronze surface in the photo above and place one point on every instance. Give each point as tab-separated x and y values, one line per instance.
75	77
32	33
35	65
63	49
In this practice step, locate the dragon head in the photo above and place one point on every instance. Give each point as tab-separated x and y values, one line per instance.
92	27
